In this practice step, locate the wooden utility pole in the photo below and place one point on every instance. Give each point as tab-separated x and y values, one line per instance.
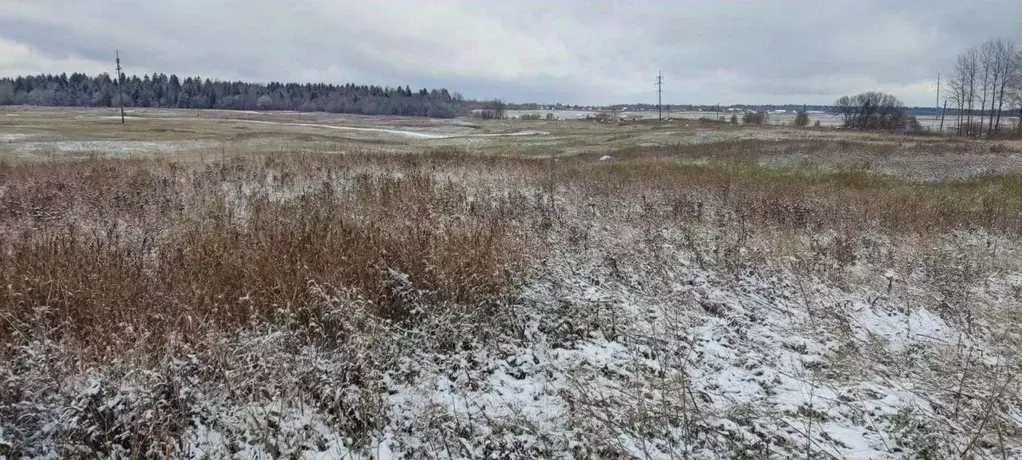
942	117
938	98
120	91
659	96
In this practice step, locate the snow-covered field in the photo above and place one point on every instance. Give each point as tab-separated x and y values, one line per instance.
649	306
12	137
397	132
787	118
115	148
38	132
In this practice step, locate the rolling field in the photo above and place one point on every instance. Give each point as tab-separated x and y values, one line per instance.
204	284
788	118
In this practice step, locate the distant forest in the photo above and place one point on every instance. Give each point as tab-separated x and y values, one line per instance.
160	90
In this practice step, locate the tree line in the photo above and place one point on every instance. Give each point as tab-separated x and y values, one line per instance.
988	76
875	111
161	90
985	91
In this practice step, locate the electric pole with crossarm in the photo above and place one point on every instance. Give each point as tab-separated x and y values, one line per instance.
659	95
120	91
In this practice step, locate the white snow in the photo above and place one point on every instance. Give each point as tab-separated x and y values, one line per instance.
110	147
398	132
896	330
751	357
12	137
392	131
653	358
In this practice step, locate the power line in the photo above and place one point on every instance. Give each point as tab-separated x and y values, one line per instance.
120	91
659	95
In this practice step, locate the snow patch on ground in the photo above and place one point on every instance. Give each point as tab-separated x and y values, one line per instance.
423	135
898	330
622	347
111	147
397	132
644	362
13	137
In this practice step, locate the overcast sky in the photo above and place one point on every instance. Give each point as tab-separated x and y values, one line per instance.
595	52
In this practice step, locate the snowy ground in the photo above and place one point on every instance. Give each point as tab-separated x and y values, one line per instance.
683	362
631	338
204	132
115	148
640	328
398	132
39	132
12	137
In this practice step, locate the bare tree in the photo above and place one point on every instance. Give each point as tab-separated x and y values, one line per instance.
844	107
991	72
988	67
872	111
494	110
1008	63
265	102
996	57
1015	88
966	71
958	89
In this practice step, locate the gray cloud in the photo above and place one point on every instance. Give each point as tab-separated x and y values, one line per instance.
547	51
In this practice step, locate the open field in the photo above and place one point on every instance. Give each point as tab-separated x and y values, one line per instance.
32	134
284	285
788	118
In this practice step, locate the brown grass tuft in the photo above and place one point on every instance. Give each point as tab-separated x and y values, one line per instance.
141	251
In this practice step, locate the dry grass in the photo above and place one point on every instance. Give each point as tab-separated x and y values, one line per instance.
139	249
371	254
815	200
190	133
838	144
